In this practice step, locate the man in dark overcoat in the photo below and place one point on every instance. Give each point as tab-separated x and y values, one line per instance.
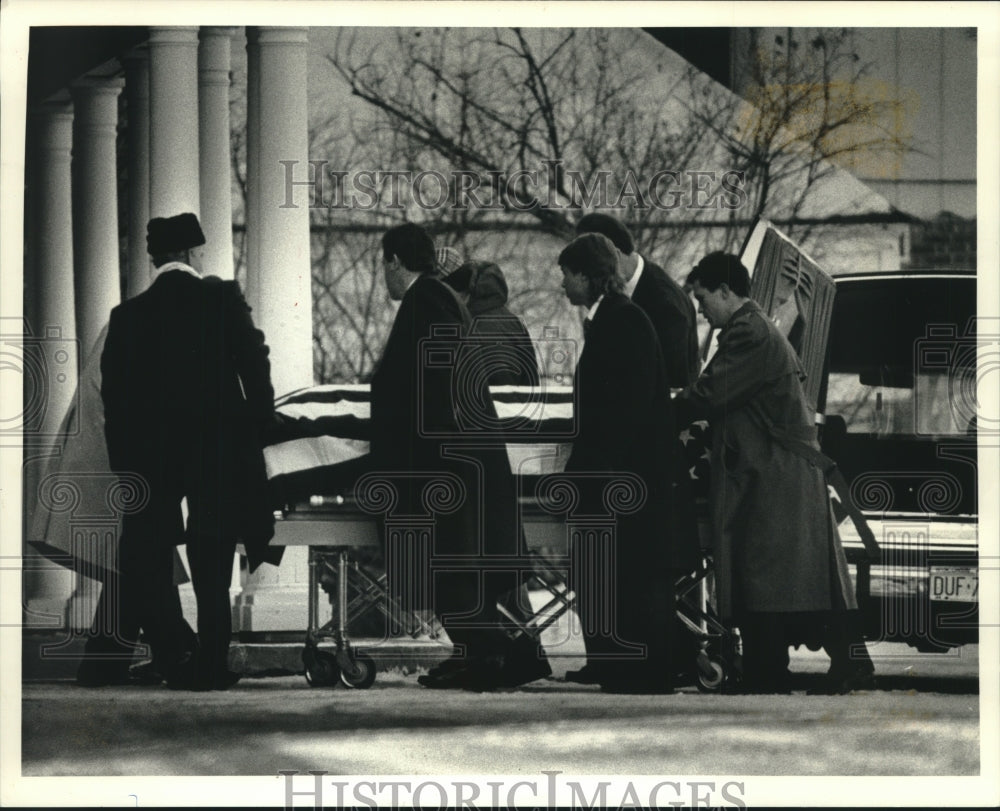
650	287
672	314
624	426
185	381
779	563
418	436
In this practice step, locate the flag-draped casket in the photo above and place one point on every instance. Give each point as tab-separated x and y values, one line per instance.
319	443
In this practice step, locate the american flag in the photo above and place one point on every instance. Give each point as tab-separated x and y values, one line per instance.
321	436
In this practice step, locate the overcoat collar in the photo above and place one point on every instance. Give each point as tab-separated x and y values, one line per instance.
750	307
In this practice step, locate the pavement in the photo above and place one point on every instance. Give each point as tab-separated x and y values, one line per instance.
396	727
923	718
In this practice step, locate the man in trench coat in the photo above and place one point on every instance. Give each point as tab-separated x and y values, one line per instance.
464	488
781	575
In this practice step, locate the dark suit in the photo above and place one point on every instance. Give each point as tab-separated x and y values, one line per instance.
674	318
417	421
626	425
186	390
675	321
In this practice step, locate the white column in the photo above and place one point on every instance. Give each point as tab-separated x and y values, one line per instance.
53	236
47	587
173	121
279	286
95	207
139	269
215	150
251	218
279	251
95	243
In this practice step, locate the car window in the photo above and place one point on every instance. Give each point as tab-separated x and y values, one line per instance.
924	409
902	356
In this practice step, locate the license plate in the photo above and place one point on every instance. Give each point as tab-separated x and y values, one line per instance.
961	585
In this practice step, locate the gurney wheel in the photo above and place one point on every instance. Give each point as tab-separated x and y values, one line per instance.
321	667
711	673
362	674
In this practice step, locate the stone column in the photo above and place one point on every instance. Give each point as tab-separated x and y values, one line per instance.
173	121
250	216
47	587
139	269
95	207
279	286
95	240
279	264
215	150
53	239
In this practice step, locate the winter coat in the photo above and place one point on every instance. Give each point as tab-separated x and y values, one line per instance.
455	490
515	364
774	537
185	380
80	469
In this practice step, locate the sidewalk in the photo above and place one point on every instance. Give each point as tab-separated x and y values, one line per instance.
926	723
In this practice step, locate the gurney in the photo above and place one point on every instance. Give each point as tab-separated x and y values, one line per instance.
316	462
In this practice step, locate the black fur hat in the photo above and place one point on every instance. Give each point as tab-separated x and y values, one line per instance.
173	234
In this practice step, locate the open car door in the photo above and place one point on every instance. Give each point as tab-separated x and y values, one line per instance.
796	293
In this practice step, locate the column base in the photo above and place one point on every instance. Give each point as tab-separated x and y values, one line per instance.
277	598
277	609
83	604
47	592
42	613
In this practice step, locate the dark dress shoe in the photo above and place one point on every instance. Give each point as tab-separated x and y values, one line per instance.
454	662
146	674
476	674
522	670
182	674
588	674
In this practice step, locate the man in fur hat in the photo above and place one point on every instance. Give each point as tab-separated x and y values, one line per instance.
187	391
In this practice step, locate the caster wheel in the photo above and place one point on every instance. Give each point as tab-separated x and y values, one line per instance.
321	668
711	674
361	674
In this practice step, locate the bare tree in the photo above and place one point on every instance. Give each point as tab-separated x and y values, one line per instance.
505	102
809	115
545	124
